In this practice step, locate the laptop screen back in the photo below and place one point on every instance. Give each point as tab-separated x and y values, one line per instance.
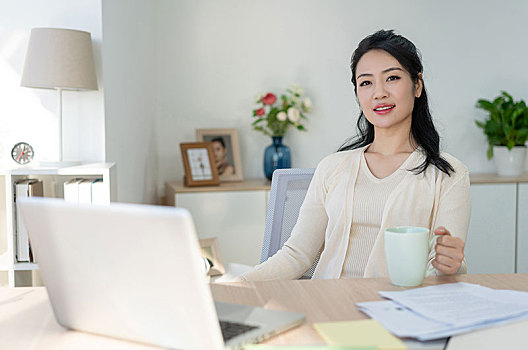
125	270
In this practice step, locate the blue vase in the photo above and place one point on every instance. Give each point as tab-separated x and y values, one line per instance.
276	156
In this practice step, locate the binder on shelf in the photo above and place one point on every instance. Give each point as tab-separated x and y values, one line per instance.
71	190
25	188
100	192
86	190
22	241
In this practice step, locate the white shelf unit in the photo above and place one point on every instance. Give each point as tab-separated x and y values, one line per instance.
53	180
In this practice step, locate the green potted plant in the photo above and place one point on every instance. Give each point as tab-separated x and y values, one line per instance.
507	131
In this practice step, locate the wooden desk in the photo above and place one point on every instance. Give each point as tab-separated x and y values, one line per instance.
335	300
27	322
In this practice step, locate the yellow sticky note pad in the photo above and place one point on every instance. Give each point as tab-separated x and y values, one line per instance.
358	333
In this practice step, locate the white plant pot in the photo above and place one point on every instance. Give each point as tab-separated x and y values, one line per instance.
509	163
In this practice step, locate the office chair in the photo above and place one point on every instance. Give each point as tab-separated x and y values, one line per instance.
288	189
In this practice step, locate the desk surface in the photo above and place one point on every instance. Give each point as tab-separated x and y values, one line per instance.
27	322
334	300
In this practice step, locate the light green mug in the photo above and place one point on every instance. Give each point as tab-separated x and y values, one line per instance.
406	253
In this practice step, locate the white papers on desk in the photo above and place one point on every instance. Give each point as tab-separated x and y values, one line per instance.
444	310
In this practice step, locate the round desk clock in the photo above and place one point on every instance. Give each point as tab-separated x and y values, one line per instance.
22	153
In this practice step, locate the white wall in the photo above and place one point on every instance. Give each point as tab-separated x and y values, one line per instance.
213	57
172	66
130	97
31	114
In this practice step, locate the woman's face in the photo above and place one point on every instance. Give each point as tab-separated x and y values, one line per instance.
385	90
218	150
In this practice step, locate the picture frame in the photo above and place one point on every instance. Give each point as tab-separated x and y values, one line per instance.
198	161
226	151
211	251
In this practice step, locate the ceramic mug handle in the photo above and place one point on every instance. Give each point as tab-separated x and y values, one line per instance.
432	241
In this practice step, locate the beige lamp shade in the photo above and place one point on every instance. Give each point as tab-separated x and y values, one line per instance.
59	59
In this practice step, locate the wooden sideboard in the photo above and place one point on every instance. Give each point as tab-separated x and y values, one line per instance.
497	239
235	212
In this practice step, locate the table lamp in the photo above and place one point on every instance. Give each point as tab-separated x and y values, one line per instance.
60	59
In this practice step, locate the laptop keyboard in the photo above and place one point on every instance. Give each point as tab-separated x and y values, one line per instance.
232	329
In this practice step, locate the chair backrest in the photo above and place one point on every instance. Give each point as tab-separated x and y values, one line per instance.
288	189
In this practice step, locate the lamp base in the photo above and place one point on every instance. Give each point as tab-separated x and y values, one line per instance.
61	164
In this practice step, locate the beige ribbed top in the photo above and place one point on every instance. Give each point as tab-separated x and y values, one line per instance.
371	194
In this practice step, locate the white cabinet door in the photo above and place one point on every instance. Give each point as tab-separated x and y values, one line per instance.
237	218
522	229
490	246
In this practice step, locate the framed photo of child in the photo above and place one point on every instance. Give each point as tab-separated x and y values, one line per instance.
199	164
226	152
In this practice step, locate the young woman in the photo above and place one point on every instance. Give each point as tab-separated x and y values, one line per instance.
220	154
391	174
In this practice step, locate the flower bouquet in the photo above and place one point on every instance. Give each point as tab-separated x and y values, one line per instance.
273	116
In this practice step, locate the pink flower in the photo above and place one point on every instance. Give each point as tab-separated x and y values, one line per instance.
269	99
260	112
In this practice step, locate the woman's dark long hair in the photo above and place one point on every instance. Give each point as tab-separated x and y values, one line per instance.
422	127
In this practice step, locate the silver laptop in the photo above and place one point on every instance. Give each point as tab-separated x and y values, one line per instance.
135	272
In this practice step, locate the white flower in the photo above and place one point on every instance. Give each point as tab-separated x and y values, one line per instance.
293	115
306	105
290	100
296	89
259	97
281	116
295	100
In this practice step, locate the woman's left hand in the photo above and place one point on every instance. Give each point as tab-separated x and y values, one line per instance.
449	252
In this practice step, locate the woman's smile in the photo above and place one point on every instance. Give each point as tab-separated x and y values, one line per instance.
384	108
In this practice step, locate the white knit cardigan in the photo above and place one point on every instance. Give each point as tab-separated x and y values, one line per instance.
430	199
